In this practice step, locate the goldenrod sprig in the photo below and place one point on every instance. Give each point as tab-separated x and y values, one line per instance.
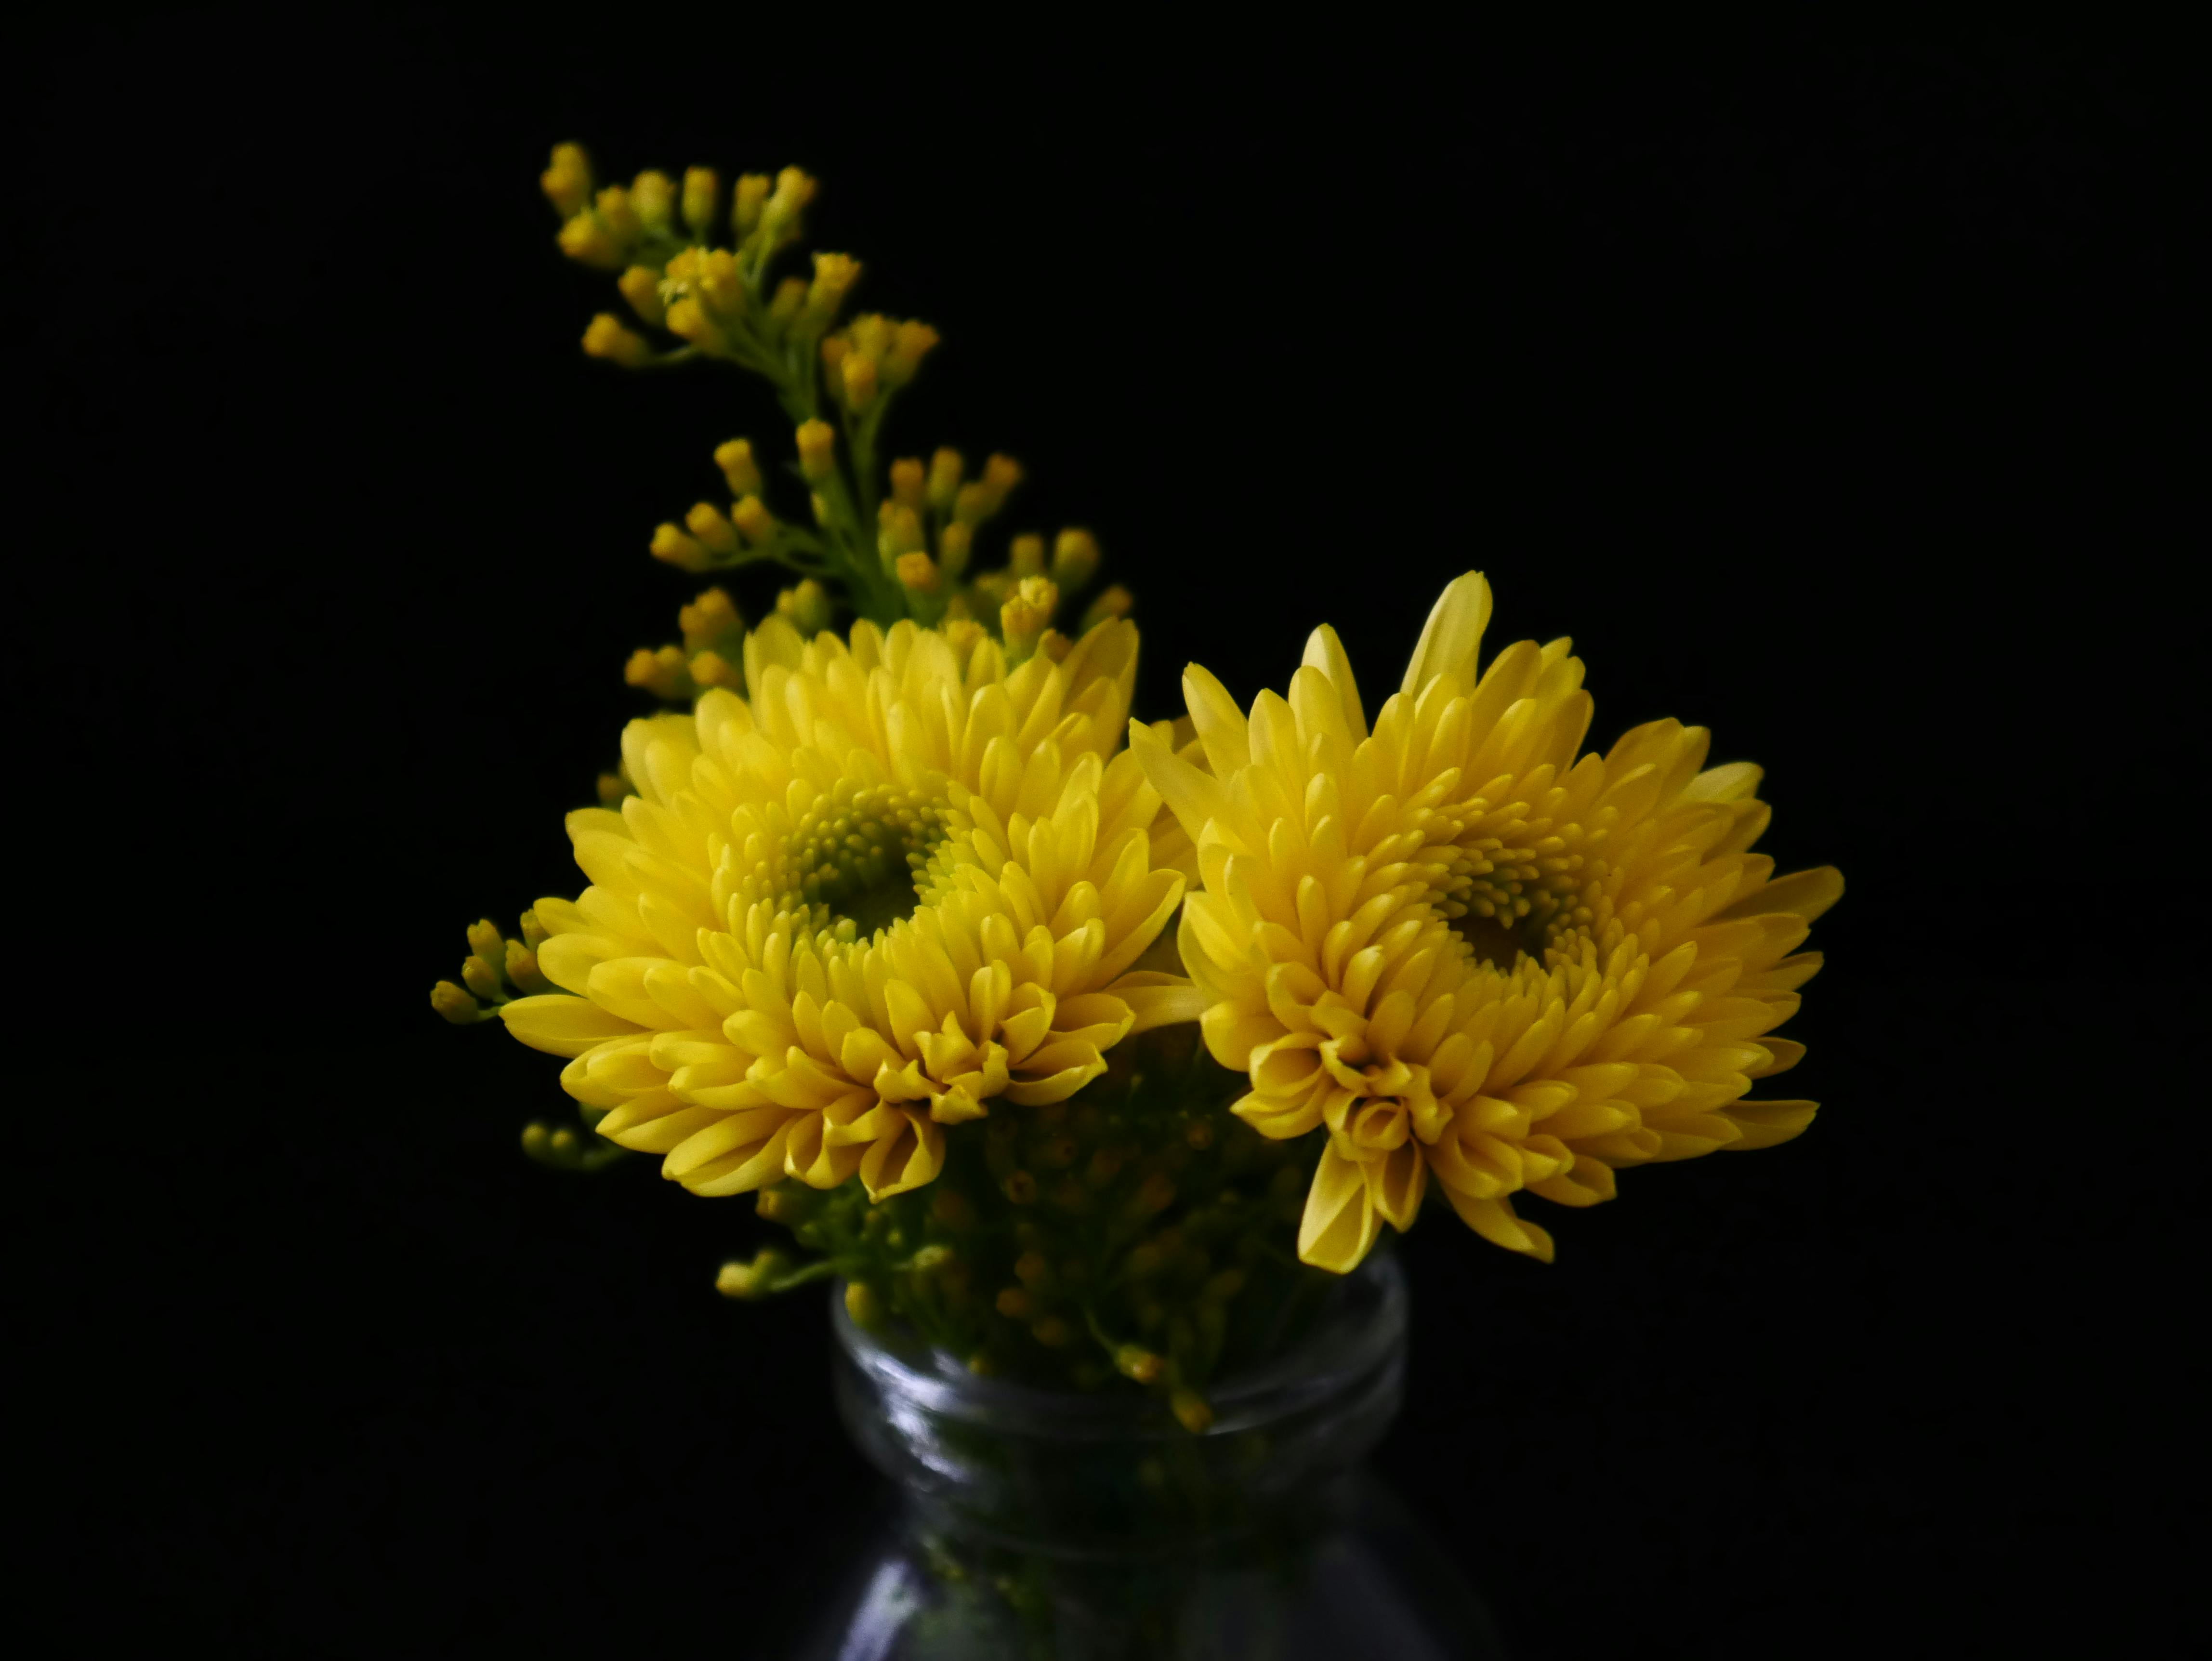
894	543
494	972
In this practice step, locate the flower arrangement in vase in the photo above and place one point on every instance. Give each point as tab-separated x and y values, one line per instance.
1089	1056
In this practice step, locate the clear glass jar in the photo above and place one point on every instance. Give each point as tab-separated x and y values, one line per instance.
1055	1526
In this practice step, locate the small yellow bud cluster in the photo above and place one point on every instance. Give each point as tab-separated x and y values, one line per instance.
711	297
925	534
714	635
665	674
714	539
657	234
869	354
495	970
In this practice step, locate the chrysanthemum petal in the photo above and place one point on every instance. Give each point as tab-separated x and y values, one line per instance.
1452	635
1157	999
1768	1124
563	1025
1341	1222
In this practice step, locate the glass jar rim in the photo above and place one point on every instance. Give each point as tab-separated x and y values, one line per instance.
1361	1328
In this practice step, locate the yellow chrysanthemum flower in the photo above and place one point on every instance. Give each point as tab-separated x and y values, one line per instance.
1470	954
896	883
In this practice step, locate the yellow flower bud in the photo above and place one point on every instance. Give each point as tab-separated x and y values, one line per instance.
745	206
908	347
613	786
790	295
805	607
449	1001
818	449
859	376
708	620
779	218
665	674
1053	1332
618	213
641	286
652	200
481	978
587	240
705	522
755	1279
861	1304
720	284
954	543
834	274
606	337
917	572
1023	619
712	669
483	939
945	468
1014	1304
754	521
1001	474
1134	1361
702	191
741	472
1189	1407
522	969
534	934
685	553
1114	603
568	182
907	484
976	502
1025	556
687	320
898	531
1074	558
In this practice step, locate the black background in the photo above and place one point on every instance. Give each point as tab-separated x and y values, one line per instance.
1828	393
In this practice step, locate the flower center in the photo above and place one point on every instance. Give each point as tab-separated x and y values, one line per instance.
855	856
1508	902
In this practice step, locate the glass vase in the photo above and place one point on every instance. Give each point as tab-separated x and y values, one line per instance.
1048	1525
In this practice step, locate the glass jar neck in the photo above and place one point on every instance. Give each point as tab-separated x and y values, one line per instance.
1113	1476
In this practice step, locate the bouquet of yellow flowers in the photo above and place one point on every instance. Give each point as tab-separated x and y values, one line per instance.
1093	1050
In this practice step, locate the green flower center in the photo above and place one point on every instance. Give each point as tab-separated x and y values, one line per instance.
1510	903
854	858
